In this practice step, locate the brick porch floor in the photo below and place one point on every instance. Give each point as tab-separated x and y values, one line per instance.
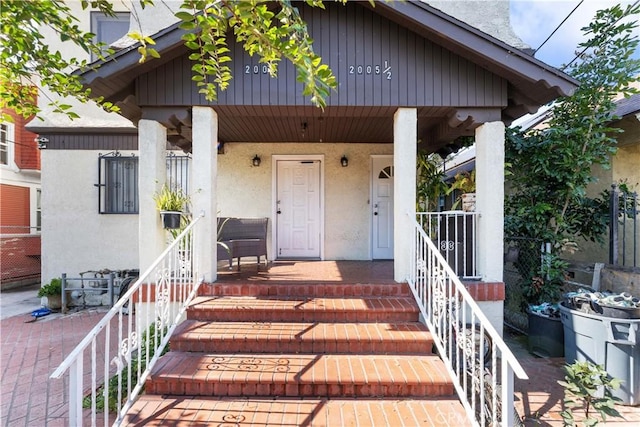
31	351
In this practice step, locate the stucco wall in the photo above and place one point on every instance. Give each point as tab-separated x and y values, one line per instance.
75	237
245	190
624	167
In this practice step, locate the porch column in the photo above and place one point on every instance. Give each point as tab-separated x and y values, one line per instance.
405	136
490	199
152	174
203	191
490	205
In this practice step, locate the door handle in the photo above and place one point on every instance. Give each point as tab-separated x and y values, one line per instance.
278	211
375	213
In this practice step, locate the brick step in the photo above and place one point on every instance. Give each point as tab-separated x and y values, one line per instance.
179	410
305	289
287	337
299	375
286	309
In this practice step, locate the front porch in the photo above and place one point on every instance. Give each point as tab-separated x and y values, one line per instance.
308	272
347	273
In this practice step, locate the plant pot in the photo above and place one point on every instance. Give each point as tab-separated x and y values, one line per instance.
171	219
546	335
468	202
54	302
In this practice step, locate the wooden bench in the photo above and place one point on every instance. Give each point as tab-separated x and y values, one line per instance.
242	237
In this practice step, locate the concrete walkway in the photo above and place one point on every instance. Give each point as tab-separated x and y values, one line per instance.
30	351
19	301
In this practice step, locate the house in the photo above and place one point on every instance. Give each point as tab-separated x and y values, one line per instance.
20	207
624	169
406	71
335	184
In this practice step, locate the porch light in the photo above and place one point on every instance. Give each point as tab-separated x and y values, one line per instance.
256	161
344	161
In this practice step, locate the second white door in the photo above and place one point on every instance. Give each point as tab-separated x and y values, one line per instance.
382	204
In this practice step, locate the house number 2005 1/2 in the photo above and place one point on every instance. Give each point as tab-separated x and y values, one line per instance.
368	70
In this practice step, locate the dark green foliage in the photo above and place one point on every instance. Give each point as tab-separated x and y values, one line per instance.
430	183
582	383
545	284
54	287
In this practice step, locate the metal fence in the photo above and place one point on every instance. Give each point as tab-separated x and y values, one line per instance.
624	236
455	234
522	260
19	255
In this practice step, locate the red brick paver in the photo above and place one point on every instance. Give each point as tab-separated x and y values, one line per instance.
31	351
539	399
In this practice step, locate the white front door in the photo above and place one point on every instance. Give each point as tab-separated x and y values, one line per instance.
382	206
298	215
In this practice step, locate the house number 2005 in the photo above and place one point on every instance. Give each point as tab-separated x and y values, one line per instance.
256	69
368	70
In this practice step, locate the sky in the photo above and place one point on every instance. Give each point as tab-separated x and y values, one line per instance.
534	20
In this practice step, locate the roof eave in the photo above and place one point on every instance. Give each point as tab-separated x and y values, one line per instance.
469	42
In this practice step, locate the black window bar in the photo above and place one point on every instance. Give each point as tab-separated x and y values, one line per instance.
118	181
118	184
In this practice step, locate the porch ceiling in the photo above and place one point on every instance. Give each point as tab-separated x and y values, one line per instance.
438	125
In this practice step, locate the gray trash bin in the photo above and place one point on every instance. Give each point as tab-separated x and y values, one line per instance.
608	341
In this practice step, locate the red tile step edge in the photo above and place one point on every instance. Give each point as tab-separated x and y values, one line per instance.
155	411
288	337
307	290
288	309
299	375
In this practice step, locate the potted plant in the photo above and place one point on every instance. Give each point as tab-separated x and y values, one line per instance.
171	204
53	292
543	292
465	182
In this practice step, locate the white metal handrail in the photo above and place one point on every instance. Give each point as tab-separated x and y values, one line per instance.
455	234
478	360
171	282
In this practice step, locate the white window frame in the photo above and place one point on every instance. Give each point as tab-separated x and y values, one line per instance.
7	139
36	226
99	18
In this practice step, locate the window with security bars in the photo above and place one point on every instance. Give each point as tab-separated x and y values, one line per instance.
118	185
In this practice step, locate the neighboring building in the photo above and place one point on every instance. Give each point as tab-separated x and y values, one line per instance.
406	72
20	208
624	169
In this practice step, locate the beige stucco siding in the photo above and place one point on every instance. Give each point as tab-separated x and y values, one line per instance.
75	237
346	194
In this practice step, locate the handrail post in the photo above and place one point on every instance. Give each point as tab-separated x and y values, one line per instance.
508	413
75	392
